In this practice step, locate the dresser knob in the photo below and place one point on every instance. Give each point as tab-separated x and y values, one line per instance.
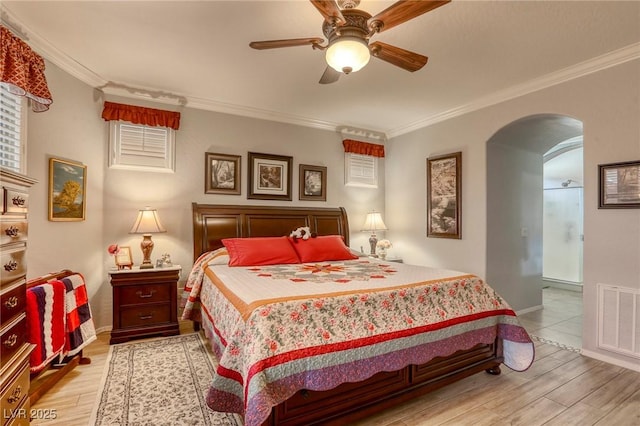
11	302
12	231
145	317
15	395
11	266
11	341
18	201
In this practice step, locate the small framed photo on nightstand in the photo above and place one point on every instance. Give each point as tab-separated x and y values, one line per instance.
123	258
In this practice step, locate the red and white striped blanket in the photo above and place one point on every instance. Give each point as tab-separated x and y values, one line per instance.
59	320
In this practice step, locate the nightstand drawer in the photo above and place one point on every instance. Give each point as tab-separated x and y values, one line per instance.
13	302
12	338
152	293
145	315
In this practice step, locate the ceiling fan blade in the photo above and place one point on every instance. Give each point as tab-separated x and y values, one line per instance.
402	11
402	58
274	44
330	11
329	76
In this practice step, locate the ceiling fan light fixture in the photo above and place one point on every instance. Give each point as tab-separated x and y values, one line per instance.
348	54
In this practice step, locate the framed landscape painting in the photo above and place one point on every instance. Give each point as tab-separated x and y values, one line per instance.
67	190
222	174
444	189
269	176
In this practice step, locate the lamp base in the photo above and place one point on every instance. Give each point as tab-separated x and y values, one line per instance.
147	247
373	241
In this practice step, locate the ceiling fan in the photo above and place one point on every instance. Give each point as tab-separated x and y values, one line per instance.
348	30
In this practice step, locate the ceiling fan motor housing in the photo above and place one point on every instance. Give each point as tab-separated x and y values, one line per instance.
354	32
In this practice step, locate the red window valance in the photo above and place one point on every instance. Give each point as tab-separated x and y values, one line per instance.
364	148
23	70
141	115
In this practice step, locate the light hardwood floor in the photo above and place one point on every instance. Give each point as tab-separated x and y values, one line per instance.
561	388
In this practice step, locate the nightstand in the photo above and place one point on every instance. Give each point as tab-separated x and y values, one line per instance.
145	303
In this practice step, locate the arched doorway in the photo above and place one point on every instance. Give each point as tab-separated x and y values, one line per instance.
515	198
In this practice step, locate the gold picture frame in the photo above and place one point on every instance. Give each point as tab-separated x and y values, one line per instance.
444	196
222	173
123	258
67	190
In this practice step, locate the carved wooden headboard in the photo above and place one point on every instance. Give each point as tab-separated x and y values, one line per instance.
213	222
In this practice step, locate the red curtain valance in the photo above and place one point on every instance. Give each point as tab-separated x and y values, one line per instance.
23	70
364	148
141	115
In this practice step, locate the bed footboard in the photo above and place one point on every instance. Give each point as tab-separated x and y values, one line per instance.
352	401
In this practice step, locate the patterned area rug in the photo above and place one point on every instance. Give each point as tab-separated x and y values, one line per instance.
158	382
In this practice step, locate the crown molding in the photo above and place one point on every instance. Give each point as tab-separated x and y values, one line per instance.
599	63
82	73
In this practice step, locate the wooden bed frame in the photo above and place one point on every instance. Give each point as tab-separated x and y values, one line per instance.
349	401
44	380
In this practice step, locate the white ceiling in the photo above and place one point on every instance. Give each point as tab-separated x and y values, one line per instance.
197	53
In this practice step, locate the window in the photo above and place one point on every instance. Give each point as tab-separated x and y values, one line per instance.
139	147
12	131
361	170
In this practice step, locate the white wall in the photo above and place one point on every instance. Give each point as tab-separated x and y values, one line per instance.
606	103
72	129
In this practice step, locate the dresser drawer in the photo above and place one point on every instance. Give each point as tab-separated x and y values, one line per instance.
14	400
13	230
149	293
13	336
145	315
14	201
13	301
13	265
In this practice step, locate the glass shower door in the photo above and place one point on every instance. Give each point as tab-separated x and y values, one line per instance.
563	235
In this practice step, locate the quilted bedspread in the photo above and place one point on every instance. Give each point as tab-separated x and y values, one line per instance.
281	328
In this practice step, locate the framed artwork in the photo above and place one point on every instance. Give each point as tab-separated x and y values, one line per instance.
67	190
444	189
269	177
123	258
619	185
221	173
313	183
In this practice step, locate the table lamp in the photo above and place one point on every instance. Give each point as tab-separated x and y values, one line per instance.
374	223
147	223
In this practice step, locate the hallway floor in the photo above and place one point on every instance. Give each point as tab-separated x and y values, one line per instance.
560	321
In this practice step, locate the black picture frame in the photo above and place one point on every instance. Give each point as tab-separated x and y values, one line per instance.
444	196
313	183
269	177
619	185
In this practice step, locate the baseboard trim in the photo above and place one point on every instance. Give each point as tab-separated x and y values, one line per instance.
531	309
611	360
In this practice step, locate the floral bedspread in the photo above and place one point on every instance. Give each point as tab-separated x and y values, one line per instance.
278	329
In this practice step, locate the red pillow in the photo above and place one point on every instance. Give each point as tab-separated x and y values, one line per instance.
259	251
326	247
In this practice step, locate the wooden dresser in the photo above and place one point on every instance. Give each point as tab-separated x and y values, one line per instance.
15	350
145	303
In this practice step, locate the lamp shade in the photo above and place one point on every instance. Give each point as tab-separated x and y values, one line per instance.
348	54
147	222
374	222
